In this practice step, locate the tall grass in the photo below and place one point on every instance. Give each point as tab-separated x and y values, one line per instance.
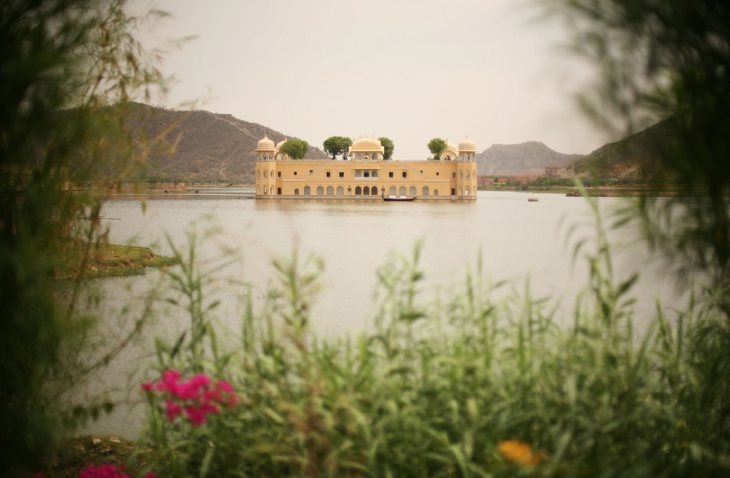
436	386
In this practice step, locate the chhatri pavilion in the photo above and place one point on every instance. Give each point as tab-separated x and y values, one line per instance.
366	175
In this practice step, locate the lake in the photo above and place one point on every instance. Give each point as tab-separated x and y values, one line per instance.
516	239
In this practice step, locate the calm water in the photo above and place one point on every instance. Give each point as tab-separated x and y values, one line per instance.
516	238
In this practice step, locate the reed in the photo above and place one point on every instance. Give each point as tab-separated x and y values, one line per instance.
466	385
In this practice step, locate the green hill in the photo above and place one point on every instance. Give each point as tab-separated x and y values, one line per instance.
638	155
202	145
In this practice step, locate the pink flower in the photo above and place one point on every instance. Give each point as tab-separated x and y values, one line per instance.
224	386
172	410
103	471
232	400
147	386
196	415
212	395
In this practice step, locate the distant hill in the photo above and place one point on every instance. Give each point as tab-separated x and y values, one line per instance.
637	155
205	145
524	158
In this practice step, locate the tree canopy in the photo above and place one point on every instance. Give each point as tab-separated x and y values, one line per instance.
295	148
437	146
389	147
337	146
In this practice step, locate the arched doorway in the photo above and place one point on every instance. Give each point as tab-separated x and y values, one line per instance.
296	192
358	191
320	191
366	191
425	191
307	191
340	191
391	191
435	192
402	191
412	191
330	191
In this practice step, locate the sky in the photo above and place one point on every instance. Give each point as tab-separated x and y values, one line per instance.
404	69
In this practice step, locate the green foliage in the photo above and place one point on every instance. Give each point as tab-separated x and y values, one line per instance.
295	148
337	145
437	146
62	62
389	147
668	60
435	386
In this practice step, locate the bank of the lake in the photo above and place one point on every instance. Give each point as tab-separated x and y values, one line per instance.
108	260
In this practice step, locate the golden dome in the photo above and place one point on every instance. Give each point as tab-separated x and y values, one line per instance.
280	143
467	145
367	144
450	148
265	143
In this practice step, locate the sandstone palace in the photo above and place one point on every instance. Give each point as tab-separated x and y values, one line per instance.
366	175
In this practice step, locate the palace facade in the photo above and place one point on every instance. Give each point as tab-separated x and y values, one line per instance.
366	175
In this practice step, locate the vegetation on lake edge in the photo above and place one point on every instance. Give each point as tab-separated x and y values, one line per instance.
107	260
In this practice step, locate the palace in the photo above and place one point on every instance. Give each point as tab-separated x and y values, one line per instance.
366	175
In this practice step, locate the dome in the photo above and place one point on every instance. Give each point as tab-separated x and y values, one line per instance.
280	143
367	144
467	145
450	148
265	143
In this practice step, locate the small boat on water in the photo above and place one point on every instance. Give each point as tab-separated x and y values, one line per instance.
399	198
531	199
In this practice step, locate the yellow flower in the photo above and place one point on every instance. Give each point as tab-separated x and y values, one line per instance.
519	452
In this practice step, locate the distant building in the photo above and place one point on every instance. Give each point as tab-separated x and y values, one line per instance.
560	172
366	174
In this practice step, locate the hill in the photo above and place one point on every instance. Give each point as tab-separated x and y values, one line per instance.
204	146
638	155
524	158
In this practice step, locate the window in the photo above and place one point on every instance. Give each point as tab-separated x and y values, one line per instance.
366	174
435	192
296	192
437	174
328	174
266	190
461	175
264	174
366	191
421	171
278	191
375	174
405	174
390	174
311	171
453	175
467	175
349	191
295	173
342	175
453	191
259	174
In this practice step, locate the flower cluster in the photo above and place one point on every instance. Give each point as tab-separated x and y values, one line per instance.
107	471
519	452
196	397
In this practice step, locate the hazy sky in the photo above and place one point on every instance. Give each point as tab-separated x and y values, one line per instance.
408	70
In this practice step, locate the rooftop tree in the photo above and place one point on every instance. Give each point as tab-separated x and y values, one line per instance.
295	148
389	147
337	145
437	146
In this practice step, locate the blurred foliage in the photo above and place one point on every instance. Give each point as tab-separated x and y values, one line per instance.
62	62
668	60
464	384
